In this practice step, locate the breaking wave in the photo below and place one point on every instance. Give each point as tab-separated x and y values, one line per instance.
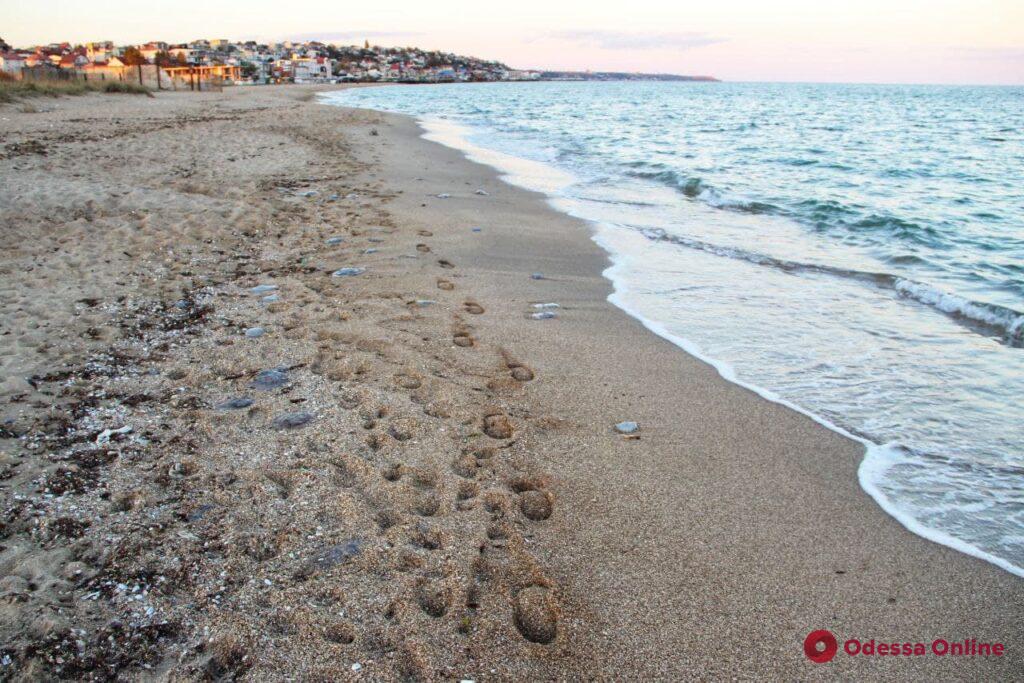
820	214
1006	322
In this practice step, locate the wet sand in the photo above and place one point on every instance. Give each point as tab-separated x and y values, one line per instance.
427	483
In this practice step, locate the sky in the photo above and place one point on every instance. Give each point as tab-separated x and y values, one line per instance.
860	41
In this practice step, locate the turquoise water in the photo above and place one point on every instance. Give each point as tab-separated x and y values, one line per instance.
854	251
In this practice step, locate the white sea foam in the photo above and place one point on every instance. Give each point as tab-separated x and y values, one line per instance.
1011	323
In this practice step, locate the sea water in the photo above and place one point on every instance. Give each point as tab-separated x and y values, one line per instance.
853	251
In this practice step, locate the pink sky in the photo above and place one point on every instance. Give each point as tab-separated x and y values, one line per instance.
878	41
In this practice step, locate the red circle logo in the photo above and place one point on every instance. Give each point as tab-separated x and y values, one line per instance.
823	637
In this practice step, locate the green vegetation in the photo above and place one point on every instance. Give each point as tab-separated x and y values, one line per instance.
11	91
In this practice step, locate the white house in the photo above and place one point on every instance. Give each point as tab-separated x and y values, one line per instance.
11	63
312	69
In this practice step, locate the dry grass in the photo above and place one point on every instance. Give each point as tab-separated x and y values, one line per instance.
11	91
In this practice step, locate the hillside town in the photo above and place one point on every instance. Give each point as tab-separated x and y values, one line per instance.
250	62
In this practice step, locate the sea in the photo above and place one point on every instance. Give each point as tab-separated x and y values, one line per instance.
855	252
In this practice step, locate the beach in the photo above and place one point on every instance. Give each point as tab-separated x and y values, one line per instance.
277	402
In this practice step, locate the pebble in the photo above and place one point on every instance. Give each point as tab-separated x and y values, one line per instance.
544	315
292	420
271	298
552	305
254	332
269	379
104	436
309	193
335	240
627	427
348	272
443	195
424	302
333	198
483	193
370	251
357	666
263	289
477	229
537	276
236	403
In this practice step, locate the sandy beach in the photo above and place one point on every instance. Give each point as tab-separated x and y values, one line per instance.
274	404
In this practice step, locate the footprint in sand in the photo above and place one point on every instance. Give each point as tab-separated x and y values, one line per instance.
340	632
433	598
425	233
422	248
446	285
463	339
444	263
473	307
428	505
519	372
466	466
498	426
467	490
535	612
535	502
536	505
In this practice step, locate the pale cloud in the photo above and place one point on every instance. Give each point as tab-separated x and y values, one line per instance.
622	40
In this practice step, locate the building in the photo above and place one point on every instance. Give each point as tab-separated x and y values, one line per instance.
98	52
12	63
519	75
315	69
149	51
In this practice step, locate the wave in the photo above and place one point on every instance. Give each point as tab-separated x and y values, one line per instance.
821	214
1006	322
697	188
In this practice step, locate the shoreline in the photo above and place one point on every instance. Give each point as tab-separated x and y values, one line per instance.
456	503
874	453
905	548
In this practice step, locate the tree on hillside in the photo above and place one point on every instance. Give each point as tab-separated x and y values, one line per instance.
166	59
4	47
132	57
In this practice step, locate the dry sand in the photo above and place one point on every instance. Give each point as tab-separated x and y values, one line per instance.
427	485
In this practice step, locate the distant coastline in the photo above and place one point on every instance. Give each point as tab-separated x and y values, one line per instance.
619	76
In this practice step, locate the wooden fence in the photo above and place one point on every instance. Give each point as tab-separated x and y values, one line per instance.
201	78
